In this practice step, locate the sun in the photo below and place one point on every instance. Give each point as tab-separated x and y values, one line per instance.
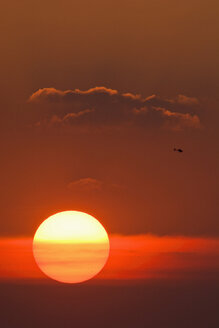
71	246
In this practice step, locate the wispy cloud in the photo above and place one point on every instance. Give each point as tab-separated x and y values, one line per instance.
91	184
86	184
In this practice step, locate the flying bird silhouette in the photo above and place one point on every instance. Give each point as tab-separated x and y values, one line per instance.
178	149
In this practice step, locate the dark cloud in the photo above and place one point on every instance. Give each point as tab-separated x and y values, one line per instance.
107	107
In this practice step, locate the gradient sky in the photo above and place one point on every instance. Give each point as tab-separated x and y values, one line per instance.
148	48
94	97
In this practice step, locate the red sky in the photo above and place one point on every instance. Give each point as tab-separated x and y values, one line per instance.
132	258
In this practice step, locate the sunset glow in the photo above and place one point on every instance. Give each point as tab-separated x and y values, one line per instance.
132	258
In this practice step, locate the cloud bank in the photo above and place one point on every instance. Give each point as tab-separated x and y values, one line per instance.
101	106
132	257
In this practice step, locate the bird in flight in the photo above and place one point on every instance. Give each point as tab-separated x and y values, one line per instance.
178	149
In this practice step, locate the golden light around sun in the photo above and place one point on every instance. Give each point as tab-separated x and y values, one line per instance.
71	246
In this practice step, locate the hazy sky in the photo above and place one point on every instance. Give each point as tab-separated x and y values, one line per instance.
94	96
168	49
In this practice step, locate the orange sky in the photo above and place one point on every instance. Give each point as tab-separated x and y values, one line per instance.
94	97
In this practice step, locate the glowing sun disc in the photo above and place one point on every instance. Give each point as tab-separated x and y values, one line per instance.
71	246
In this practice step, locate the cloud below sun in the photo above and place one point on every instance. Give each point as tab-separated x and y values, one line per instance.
132	258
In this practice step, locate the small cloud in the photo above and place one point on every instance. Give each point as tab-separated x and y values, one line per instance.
48	94
131	96
180	121
151	97
54	95
141	110
97	90
184	100
181	99
91	184
86	184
